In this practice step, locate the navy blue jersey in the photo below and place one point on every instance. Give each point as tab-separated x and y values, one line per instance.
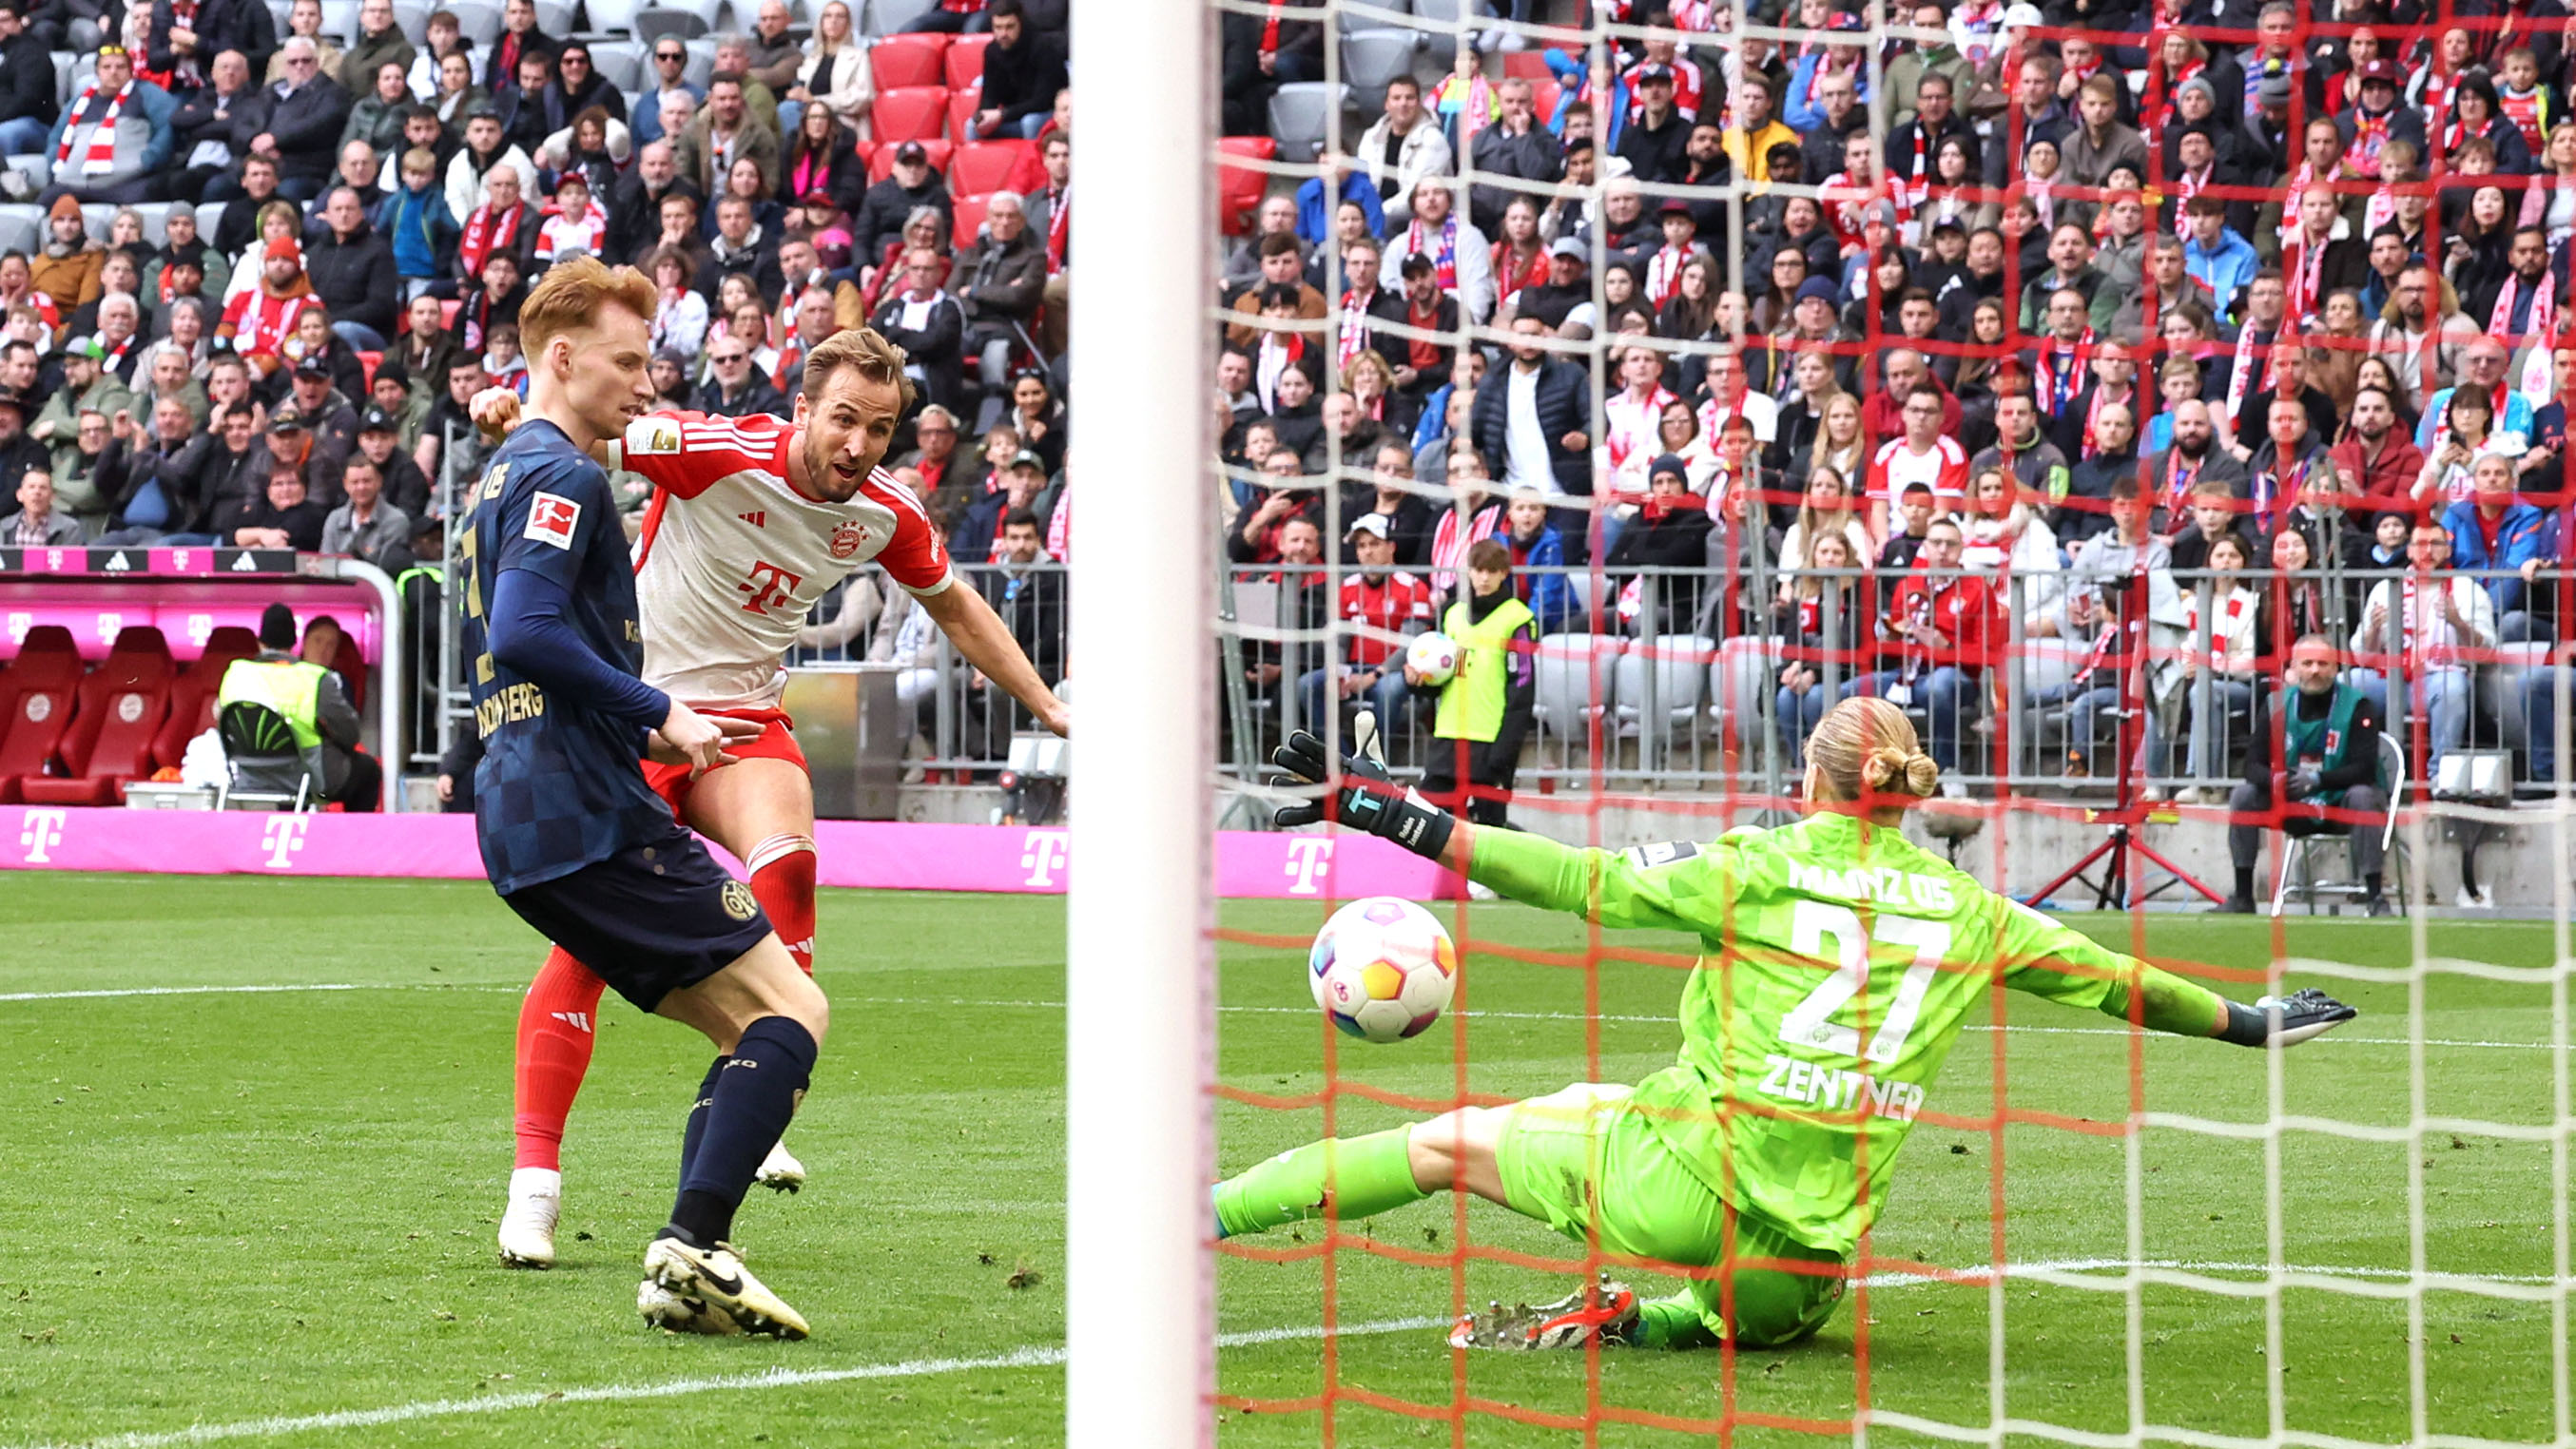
560	785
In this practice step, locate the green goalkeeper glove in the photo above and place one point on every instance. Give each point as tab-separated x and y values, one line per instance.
2287	1021
1366	799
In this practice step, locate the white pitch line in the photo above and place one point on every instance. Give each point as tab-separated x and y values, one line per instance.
1046	1357
1037	1005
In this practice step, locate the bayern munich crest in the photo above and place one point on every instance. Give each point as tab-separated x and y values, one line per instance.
848	538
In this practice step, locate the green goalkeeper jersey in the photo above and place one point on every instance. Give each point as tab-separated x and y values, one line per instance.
1838	963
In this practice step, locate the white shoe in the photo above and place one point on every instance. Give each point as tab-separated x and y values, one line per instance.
1479	891
2484	900
1606	1314
780	1171
528	1224
667	1310
714	1279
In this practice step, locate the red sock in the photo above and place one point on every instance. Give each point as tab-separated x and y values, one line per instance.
558	1022
782	880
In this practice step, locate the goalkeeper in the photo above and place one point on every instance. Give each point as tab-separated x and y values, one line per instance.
1838	962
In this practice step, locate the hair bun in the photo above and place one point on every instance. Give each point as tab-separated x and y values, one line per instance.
1890	770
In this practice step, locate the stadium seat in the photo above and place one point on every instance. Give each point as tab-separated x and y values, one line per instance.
1371	58
963	66
554	17
1680	663
1239	188
22	228
612	17
119	711
622	62
411	17
1445	10
910	113
192	694
654	22
1543	96
969	214
984	167
1577	682
701	66
962	106
479	20
907	60
881	165
1743	684
1528	65
210	214
367	366
340	20
36	705
1300	114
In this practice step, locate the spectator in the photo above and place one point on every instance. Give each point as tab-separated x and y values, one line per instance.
485	153
37	524
930	327
832	70
1656	137
112	142
522	105
725	132
257	322
2330	744
27	106
2281	467
1382	605
281	517
366	527
888	206
303	22
576	228
670	72
201	128
1023	71
352	272
1460	254
416	224
1486	707
520	37
2435	628
304	116
376	120
734	388
312	701
87	387
325	429
733	53
1515	147
1941	630
1533	417
823	161
458	98
2494	529
1401	147
1000	282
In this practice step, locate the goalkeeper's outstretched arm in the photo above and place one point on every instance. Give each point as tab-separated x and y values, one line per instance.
2047	958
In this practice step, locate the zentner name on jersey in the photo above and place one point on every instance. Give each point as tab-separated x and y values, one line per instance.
732	558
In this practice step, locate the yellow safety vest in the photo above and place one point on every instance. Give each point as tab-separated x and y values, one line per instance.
1471	704
291	687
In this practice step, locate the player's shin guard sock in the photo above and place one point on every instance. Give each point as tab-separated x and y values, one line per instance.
557	1022
755	1096
1364	1176
782	880
696	1131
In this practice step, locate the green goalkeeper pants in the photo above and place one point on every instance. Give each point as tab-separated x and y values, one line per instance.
1584	1153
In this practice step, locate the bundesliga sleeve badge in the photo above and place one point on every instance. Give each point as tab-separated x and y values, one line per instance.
552	520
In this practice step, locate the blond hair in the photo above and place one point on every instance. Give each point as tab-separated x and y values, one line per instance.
572	294
1865	749
863	348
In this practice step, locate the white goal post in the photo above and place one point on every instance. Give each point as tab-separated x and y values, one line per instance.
1140	1023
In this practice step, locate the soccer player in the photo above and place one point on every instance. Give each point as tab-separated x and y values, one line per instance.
573	838
753	521
1839	961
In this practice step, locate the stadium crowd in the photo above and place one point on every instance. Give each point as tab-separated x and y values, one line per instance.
2146	340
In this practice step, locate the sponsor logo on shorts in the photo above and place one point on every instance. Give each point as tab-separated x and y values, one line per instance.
552	520
738	902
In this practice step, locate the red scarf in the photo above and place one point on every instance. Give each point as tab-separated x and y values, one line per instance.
2241	376
2369	133
483	236
2093	415
101	155
2217	636
1444	261
1059	226
2307	277
2061	370
1355	336
1664	274
1510	277
2187	186
2544	307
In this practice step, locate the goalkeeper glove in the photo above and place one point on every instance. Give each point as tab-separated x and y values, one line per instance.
1367	799
2286	1021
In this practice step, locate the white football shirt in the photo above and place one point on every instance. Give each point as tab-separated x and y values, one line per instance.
732	558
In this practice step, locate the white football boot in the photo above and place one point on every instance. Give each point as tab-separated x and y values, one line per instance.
780	1171
528	1224
1607	1313
716	1278
667	1310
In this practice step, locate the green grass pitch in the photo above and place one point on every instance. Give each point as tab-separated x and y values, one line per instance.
236	1210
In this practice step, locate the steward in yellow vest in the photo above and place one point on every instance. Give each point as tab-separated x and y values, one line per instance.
313	703
1486	708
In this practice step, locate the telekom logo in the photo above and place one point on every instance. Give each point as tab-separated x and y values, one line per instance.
1042	855
769	587
282	838
1310	861
40	831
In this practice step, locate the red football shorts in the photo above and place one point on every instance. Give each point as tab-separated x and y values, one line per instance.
776	741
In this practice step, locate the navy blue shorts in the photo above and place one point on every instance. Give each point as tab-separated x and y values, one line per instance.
649	920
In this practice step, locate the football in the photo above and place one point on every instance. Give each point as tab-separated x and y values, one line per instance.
1433	655
1383	968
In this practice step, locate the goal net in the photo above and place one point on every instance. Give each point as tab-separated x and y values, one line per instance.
1940	269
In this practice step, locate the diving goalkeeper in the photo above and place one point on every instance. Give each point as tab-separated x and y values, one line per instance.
1838	963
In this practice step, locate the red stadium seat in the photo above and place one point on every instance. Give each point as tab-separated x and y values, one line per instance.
351	666
908	60
984	167
447	314
966	62
1528	65
962	106
367	367
867	151
1240	188
1543	97
192	694
881	165
910	113
969	211
36	705
121	706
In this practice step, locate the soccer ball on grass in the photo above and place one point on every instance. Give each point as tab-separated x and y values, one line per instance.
1383	969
